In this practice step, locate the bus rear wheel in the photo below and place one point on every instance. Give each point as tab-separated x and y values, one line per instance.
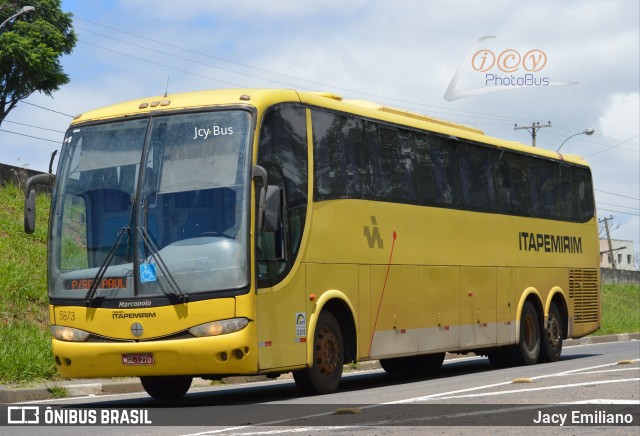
324	375
166	387
413	364
552	336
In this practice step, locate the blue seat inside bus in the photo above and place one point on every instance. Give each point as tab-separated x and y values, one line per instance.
205	211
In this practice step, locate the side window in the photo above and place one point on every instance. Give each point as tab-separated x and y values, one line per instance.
283	143
476	177
357	181
436	171
327	155
340	159
564	209
583	193
394	176
283	153
512	185
543	179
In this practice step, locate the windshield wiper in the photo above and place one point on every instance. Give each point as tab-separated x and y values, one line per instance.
89	298
153	248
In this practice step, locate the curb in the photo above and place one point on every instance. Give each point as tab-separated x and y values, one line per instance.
602	339
92	387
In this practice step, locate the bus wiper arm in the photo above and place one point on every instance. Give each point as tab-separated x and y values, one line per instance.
103	268
153	248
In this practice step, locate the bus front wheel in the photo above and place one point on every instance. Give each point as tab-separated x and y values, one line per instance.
552	336
166	387
323	376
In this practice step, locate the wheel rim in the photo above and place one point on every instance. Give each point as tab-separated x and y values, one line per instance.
553	331
327	353
529	333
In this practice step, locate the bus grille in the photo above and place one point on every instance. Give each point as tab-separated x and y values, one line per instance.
583	289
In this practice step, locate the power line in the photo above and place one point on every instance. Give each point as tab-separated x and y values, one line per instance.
618	211
164	53
619	205
613	146
326	85
162	65
29	136
589	140
47	109
619	195
31	125
486	116
574	129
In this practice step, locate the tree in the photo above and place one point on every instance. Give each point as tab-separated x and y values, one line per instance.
30	49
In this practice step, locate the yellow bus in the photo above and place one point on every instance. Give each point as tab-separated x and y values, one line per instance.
250	231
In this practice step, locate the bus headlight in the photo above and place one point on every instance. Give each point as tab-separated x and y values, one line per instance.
217	328
69	334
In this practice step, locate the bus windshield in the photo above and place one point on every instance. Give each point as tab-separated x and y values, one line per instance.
152	207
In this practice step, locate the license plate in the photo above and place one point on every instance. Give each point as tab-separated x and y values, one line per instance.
138	359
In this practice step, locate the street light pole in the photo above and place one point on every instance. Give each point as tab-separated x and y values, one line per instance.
24	10
587	132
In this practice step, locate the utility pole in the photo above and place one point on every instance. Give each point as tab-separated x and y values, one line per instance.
533	129
611	250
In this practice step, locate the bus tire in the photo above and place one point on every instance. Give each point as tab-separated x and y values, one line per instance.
324	375
527	351
398	365
413	364
552	336
498	358
166	387
431	362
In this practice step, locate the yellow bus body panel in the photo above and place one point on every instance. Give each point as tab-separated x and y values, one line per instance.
196	356
415	279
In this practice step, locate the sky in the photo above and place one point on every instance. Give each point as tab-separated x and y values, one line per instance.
578	64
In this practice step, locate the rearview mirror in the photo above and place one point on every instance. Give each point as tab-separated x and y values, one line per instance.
30	199
30	212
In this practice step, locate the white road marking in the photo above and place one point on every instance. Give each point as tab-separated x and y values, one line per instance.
516	391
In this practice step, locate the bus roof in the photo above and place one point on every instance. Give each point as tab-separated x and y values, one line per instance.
263	98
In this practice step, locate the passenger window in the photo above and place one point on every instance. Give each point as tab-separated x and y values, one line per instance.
340	159
543	179
436	170
583	193
476	177
512	185
393	166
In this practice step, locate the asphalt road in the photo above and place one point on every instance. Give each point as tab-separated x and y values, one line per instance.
591	383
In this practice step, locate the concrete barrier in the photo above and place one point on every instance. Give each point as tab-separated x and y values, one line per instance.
610	275
18	176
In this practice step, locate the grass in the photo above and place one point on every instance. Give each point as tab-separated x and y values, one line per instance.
58	391
25	341
620	309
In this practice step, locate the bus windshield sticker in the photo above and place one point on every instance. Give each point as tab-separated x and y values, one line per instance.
147	272
301	324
